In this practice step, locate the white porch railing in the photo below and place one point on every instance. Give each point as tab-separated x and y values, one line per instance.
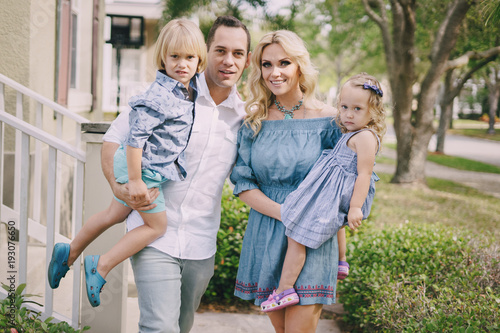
39	184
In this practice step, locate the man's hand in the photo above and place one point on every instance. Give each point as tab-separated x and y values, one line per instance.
121	191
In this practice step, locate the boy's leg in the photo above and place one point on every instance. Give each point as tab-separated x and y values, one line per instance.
155	225
96	225
196	275
292	266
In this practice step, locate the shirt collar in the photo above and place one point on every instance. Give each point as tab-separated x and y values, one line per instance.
171	84
233	101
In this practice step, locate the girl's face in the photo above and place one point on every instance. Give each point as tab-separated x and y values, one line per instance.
279	72
181	66
354	108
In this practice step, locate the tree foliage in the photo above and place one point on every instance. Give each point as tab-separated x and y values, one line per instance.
475	53
491	11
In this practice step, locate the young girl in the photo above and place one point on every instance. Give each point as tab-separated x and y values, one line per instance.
160	126
339	189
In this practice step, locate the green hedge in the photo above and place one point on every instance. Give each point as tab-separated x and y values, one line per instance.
234	219
421	278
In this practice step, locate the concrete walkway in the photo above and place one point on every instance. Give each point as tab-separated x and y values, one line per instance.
482	150
486	182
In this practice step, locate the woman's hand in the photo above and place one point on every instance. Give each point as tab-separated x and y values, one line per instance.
354	217
261	203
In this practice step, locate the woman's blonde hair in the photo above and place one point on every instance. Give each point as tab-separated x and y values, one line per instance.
260	97
180	35
375	104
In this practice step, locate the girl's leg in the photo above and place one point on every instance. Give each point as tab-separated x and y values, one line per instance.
155	225
294	261
343	270
96	225
342	244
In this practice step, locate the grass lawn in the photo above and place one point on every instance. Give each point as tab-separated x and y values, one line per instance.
462	163
443	202
476	133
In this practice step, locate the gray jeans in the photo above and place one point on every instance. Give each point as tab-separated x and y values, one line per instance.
169	290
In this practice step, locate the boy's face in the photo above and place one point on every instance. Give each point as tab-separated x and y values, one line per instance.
227	57
181	66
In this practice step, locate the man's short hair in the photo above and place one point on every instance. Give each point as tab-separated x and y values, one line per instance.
227	21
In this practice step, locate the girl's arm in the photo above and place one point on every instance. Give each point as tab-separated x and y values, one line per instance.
137	188
261	203
365	145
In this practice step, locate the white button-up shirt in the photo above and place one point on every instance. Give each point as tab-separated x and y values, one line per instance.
193	205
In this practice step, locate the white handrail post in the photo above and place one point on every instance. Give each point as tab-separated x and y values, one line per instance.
17	156
110	316
51	190
23	207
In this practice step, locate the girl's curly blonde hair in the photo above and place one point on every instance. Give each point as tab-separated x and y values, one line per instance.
375	104
260	97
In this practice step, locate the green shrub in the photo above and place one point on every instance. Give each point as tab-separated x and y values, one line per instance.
418	278
16	318
234	219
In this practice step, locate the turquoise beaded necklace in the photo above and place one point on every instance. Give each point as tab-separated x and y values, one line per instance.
288	113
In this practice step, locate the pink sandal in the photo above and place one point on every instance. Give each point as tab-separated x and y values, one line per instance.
280	301
343	271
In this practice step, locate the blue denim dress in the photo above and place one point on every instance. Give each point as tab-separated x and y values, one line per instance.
318	208
276	161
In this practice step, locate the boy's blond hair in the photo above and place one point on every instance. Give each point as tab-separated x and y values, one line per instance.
180	35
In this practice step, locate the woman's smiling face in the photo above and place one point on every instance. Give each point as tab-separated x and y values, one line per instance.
279	72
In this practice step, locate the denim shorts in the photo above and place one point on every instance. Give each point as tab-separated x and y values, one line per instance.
149	177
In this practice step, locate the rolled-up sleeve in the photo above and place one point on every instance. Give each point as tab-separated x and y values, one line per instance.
242	175
145	116
118	131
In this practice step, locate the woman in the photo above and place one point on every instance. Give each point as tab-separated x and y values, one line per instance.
284	133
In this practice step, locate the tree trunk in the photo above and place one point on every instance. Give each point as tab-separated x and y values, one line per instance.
493	98
413	139
446	112
399	44
444	125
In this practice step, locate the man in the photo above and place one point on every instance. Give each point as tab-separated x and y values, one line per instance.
173	272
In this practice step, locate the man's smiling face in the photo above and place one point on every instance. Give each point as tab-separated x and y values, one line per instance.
227	57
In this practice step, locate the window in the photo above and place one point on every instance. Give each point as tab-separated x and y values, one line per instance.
74	49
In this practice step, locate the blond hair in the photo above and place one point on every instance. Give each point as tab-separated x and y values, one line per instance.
260	97
180	35
375	104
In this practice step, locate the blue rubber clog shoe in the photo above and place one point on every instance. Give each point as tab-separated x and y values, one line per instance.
93	280
58	266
